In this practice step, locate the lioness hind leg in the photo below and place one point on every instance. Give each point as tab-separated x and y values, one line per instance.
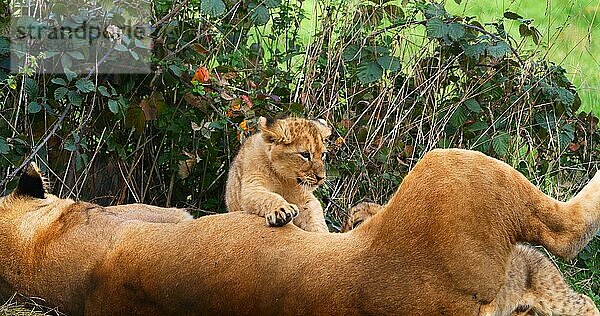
566	228
504	200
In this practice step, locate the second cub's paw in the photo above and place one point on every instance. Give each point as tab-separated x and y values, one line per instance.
282	215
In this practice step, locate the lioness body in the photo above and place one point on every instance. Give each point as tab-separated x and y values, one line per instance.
534	286
439	247
270	177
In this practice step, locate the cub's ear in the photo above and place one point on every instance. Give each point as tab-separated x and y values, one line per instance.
31	183
274	131
321	125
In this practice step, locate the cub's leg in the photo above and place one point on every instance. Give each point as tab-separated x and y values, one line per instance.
311	218
272	206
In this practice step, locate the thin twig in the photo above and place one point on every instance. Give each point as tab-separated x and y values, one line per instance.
38	147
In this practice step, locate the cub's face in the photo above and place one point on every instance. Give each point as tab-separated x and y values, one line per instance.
297	149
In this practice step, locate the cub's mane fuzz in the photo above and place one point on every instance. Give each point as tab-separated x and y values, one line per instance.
280	131
274	131
31	183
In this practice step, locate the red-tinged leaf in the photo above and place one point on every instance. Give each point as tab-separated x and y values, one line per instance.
574	146
247	101
202	75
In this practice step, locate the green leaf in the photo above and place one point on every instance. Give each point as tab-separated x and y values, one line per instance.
565	96
390	63
369	72
474	51
458	118
50	54
512	16
59	81
456	31
569	131
121	48
70	74
473	105
545	120
70	144
212	7
176	71
435	10
4	45
260	15
477	126
31	88
499	50
74	98
564	139
500	144
435	28
34	107
482	143
351	52
60	93
76	55
103	91
4	147
272	3
113	106
85	85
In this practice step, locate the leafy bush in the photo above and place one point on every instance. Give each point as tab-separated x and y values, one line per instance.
394	79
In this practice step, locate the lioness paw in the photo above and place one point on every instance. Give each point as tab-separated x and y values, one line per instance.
282	215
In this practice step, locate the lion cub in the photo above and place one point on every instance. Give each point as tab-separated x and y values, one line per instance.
276	171
534	286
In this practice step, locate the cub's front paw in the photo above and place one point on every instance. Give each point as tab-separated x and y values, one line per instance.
282	215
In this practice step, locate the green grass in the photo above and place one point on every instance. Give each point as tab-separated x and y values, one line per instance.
570	29
571	36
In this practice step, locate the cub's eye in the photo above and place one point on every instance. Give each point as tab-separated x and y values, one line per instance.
305	155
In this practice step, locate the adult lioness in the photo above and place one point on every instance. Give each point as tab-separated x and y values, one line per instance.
439	247
534	286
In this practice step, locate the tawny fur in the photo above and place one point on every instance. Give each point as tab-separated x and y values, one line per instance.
360	213
440	246
269	177
534	286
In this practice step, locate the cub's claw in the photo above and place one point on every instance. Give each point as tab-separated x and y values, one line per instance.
282	216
